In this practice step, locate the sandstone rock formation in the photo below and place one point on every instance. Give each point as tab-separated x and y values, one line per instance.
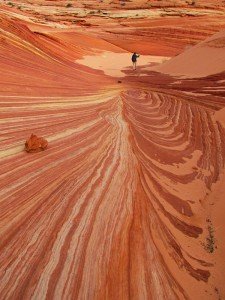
128	202
202	60
35	144
150	27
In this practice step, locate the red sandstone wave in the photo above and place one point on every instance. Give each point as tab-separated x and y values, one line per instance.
119	205
202	60
163	28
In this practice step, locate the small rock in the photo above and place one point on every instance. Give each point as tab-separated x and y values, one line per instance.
35	144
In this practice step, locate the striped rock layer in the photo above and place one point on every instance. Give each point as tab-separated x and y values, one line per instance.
156	27
118	206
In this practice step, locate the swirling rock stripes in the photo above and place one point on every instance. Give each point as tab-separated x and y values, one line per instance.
78	196
77	223
180	150
116	207
35	67
60	211
160	27
164	125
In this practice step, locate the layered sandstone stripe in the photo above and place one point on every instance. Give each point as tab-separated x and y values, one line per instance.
106	212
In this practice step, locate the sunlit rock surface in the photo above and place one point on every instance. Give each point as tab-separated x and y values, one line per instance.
157	27
127	202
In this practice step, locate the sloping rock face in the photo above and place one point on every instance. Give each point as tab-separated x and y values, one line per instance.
128	202
35	144
205	59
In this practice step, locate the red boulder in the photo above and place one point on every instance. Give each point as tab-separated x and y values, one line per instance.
35	144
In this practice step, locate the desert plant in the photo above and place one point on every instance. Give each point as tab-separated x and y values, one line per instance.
210	239
69	5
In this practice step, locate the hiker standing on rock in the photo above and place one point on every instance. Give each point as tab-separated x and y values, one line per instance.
134	60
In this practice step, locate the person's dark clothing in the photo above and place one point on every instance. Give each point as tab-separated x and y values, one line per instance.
134	57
